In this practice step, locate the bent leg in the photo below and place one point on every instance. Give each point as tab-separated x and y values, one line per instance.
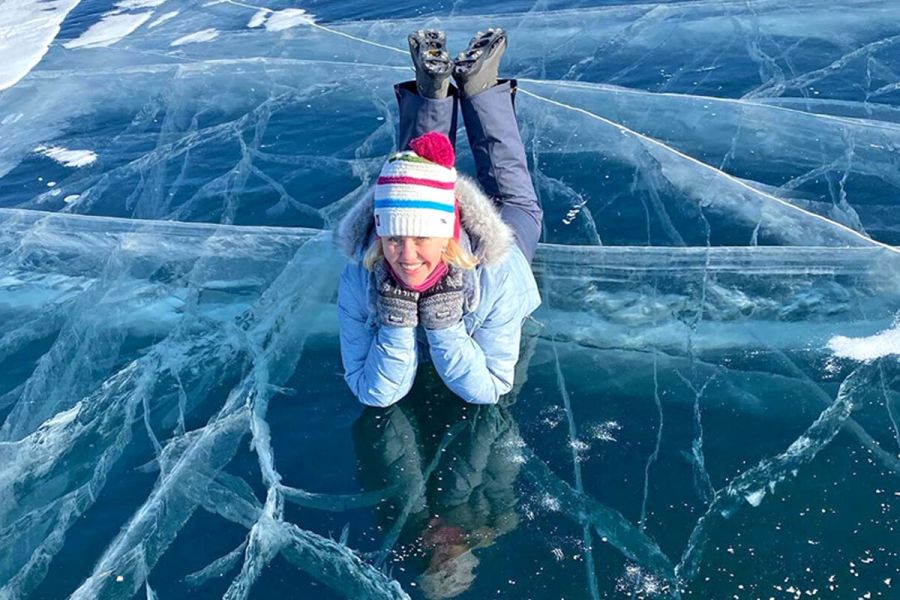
419	115
493	133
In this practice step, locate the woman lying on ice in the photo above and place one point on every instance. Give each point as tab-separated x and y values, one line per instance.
441	265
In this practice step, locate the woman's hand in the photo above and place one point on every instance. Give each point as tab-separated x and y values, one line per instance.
442	306
396	306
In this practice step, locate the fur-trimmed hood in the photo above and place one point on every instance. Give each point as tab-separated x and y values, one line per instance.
489	236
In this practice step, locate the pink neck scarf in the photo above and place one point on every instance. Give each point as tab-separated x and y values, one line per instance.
431	281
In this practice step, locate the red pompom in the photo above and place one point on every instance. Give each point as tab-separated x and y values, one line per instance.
436	147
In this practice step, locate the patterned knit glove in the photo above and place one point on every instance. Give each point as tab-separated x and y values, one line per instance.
396	306
442	306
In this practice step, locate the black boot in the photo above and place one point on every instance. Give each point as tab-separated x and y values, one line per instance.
476	68
428	48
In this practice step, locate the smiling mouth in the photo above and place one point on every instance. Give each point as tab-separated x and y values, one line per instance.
410	268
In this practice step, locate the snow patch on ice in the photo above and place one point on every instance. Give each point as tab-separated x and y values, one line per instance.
875	346
133	4
259	19
27	28
111	28
289	17
195	38
69	158
162	19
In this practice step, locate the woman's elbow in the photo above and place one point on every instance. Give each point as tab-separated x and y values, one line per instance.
371	396
489	394
376	401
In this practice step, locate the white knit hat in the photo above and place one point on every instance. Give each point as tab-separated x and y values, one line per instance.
414	195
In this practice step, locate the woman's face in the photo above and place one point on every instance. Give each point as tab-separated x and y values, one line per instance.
413	259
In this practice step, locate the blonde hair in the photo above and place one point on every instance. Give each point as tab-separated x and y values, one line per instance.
454	255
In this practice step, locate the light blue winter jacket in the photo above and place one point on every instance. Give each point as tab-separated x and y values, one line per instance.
476	357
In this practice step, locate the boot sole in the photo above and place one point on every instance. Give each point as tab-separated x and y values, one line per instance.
428	48
481	48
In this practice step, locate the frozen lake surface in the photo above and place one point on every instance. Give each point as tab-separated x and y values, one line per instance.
708	400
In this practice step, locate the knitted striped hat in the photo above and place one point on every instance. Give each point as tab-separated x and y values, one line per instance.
414	195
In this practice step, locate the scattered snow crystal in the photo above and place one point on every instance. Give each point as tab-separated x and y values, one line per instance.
605	432
550	503
636	581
